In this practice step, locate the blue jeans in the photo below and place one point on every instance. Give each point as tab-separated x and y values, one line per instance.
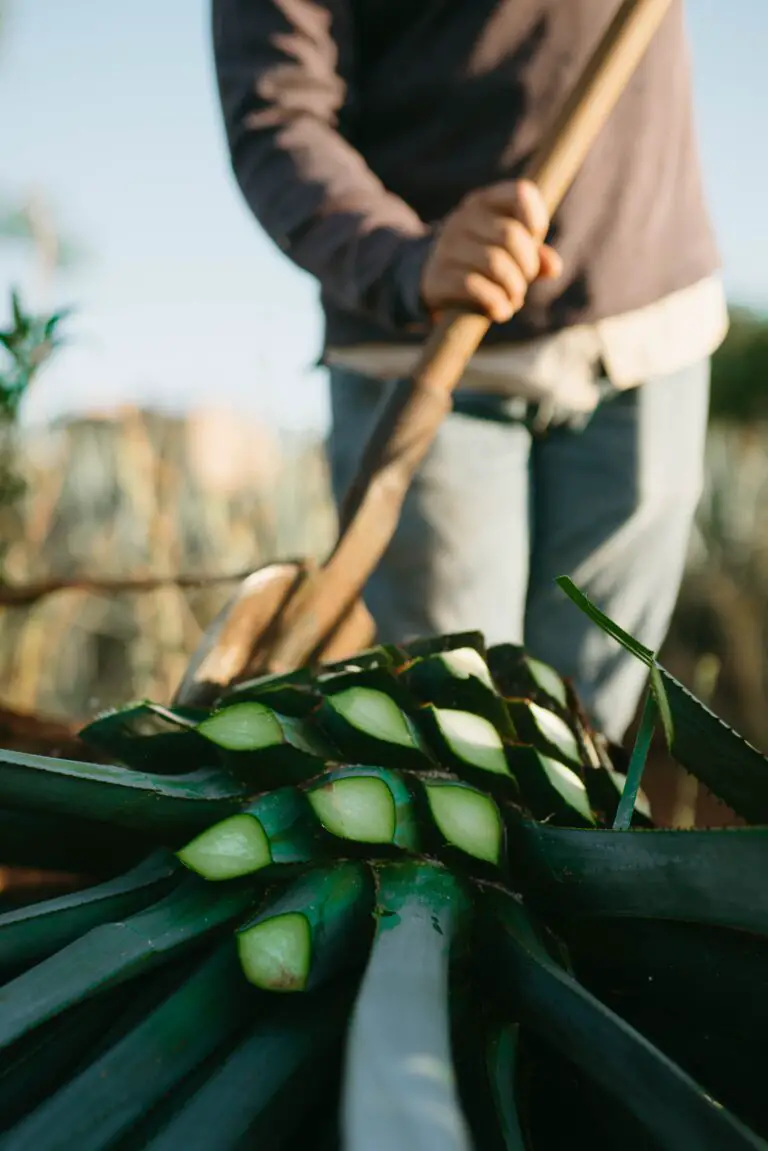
497	513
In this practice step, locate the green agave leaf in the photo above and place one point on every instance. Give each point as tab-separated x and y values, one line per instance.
115	952
702	743
713	877
264	1088
459	680
672	1108
314	929
501	1065
399	1087
367	805
151	738
31	933
279	827
550	789
517	675
705	746
386	656
34	1068
544	730
700	994
113	1092
128	798
644	654
435	645
272	749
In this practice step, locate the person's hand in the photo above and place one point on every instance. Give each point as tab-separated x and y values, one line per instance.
489	249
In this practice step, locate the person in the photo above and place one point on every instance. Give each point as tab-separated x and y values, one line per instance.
382	146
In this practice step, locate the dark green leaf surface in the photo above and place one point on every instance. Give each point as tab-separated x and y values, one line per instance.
115	952
264	1087
118	795
674	1109
31	933
113	1092
714	877
151	738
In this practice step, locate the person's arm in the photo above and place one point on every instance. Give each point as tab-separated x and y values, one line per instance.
284	70
283	75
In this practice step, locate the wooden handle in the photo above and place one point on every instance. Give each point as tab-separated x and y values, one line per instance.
409	423
458	335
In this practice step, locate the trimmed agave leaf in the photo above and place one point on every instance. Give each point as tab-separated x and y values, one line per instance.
272	749
399	1089
467	743
544	730
151	738
263	1089
435	645
673	1109
467	820
312	930
370	728
386	656
366	805
277	828
518	675
31	933
714	877
116	952
550	789
146	802
270	687
459	679
700	741
113	1092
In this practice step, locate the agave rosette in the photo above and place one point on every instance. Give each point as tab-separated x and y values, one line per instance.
383	905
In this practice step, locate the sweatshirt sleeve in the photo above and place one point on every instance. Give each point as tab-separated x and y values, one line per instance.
285	73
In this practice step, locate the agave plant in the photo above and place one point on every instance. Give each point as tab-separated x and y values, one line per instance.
403	903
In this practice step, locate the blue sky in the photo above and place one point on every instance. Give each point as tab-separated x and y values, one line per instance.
109	107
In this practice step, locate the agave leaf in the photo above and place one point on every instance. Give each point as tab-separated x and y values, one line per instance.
715	877
315	928
435	645
673	1109
31	933
702	743
460	680
114	1091
115	952
700	994
264	1087
122	796
151	738
708	748
399	1088
517	675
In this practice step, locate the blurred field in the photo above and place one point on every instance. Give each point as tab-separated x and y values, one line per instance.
146	494
142	495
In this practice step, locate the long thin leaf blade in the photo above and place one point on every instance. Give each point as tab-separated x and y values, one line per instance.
399	1089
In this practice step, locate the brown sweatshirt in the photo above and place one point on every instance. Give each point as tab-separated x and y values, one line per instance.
356	125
